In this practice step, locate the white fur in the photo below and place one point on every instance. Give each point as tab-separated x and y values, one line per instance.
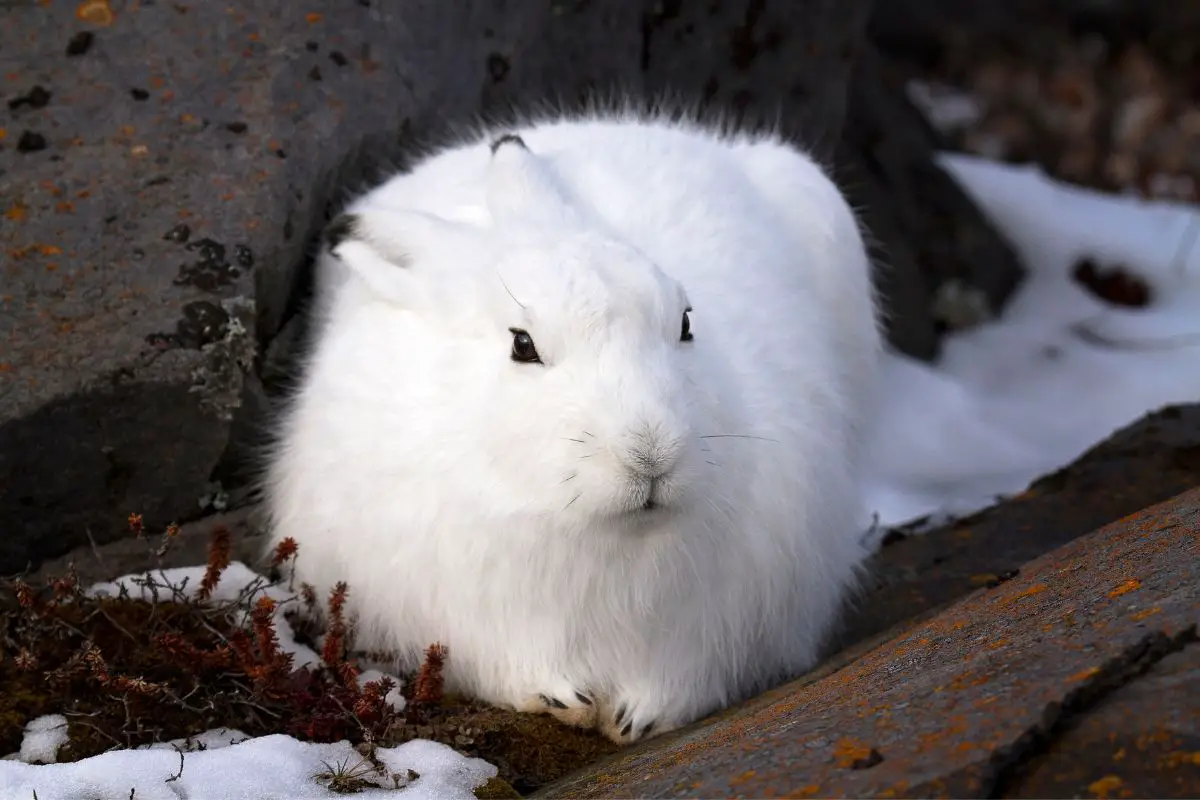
486	504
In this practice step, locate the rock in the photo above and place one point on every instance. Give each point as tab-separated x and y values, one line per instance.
188	548
165	166
1144	463
1142	740
961	704
941	265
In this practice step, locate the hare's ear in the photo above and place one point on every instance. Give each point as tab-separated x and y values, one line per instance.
521	187
383	248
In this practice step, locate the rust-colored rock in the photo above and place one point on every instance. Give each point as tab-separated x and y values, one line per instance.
961	704
1143	740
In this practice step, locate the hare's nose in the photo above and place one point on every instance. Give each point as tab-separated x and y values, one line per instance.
651	458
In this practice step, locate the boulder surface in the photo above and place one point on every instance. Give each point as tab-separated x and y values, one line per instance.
165	166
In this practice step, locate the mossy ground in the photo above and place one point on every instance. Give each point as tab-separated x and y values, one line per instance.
127	672
529	750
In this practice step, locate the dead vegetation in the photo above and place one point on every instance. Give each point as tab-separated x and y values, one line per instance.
161	661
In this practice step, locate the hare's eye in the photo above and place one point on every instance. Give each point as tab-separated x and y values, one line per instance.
523	349
685	334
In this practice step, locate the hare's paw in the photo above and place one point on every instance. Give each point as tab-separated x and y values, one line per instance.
566	702
629	718
577	708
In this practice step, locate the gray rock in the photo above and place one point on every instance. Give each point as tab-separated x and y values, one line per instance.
129	376
187	548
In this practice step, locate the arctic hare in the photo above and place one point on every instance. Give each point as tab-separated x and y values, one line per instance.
584	406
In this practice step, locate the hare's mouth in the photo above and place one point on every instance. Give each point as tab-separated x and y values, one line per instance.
653	494
648	498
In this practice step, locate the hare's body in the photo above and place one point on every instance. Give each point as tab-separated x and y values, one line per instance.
639	529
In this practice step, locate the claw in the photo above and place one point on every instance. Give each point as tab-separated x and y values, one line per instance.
553	702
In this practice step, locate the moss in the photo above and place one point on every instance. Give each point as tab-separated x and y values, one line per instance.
529	750
496	789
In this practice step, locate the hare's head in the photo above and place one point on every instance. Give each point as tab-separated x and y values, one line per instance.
550	362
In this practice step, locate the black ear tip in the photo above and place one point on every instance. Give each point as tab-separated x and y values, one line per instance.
508	138
341	228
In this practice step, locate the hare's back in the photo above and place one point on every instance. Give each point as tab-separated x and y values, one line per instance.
761	238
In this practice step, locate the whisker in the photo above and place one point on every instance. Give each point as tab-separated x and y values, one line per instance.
570	477
715	464
568	505
739	436
585	433
569	439
589	455
510	294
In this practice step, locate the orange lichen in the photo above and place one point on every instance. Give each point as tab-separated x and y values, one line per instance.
738	780
1180	758
1131	585
1036	589
848	752
97	12
1106	786
1085	674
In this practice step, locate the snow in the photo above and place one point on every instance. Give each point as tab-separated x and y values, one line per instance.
273	767
1060	370
43	736
207	740
1007	402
